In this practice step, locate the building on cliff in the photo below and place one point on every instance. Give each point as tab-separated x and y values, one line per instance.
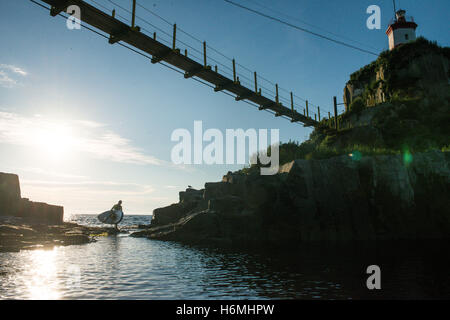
401	30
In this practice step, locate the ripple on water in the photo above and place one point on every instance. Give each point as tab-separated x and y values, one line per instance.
133	268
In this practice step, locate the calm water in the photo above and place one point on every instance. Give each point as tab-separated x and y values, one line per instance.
121	267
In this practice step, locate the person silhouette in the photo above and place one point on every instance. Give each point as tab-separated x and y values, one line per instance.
116	207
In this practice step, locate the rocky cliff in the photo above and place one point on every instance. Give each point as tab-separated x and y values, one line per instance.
411	70
338	199
382	175
12	204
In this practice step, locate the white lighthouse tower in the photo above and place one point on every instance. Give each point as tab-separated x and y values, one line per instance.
401	30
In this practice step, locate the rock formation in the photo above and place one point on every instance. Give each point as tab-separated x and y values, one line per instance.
12	204
337	200
408	70
383	174
32	225
18	234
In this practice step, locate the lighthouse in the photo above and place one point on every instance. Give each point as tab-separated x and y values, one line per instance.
401	30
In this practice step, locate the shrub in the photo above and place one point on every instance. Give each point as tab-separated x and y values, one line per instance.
357	105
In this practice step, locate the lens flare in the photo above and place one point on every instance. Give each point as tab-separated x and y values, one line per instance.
407	158
355	155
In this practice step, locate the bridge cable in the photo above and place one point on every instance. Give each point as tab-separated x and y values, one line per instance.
162	63
218	52
311	25
300	28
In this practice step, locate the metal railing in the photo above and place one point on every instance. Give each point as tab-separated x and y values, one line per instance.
407	19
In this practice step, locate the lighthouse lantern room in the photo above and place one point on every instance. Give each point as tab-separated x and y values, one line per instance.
401	30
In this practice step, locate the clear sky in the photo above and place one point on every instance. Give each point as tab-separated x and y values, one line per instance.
85	123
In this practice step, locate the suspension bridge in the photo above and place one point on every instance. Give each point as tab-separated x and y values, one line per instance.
132	37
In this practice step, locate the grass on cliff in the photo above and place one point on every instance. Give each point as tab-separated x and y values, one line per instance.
421	124
392	62
294	150
414	124
399	58
405	125
412	120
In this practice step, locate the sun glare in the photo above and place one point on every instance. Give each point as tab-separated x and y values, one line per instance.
54	140
43	284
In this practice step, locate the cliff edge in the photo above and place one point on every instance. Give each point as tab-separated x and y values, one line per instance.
339	199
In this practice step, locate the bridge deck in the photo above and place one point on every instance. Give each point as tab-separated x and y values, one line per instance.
119	31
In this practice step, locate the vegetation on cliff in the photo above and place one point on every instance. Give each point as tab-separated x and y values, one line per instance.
392	63
402	126
413	119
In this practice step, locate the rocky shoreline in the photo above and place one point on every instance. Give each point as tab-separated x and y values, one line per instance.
17	234
27	225
336	200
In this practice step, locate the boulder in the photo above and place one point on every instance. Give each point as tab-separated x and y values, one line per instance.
75	239
172	213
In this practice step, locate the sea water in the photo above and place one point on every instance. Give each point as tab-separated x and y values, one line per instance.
123	267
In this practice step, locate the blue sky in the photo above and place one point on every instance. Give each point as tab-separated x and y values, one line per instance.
110	112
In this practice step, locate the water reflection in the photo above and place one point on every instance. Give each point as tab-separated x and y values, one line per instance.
122	267
40	278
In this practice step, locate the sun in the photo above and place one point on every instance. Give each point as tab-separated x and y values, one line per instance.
54	140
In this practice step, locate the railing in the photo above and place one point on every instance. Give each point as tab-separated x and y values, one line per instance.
162	48
407	19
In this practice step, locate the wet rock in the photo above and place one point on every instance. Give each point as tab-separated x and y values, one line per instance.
14	230
14	238
73	239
